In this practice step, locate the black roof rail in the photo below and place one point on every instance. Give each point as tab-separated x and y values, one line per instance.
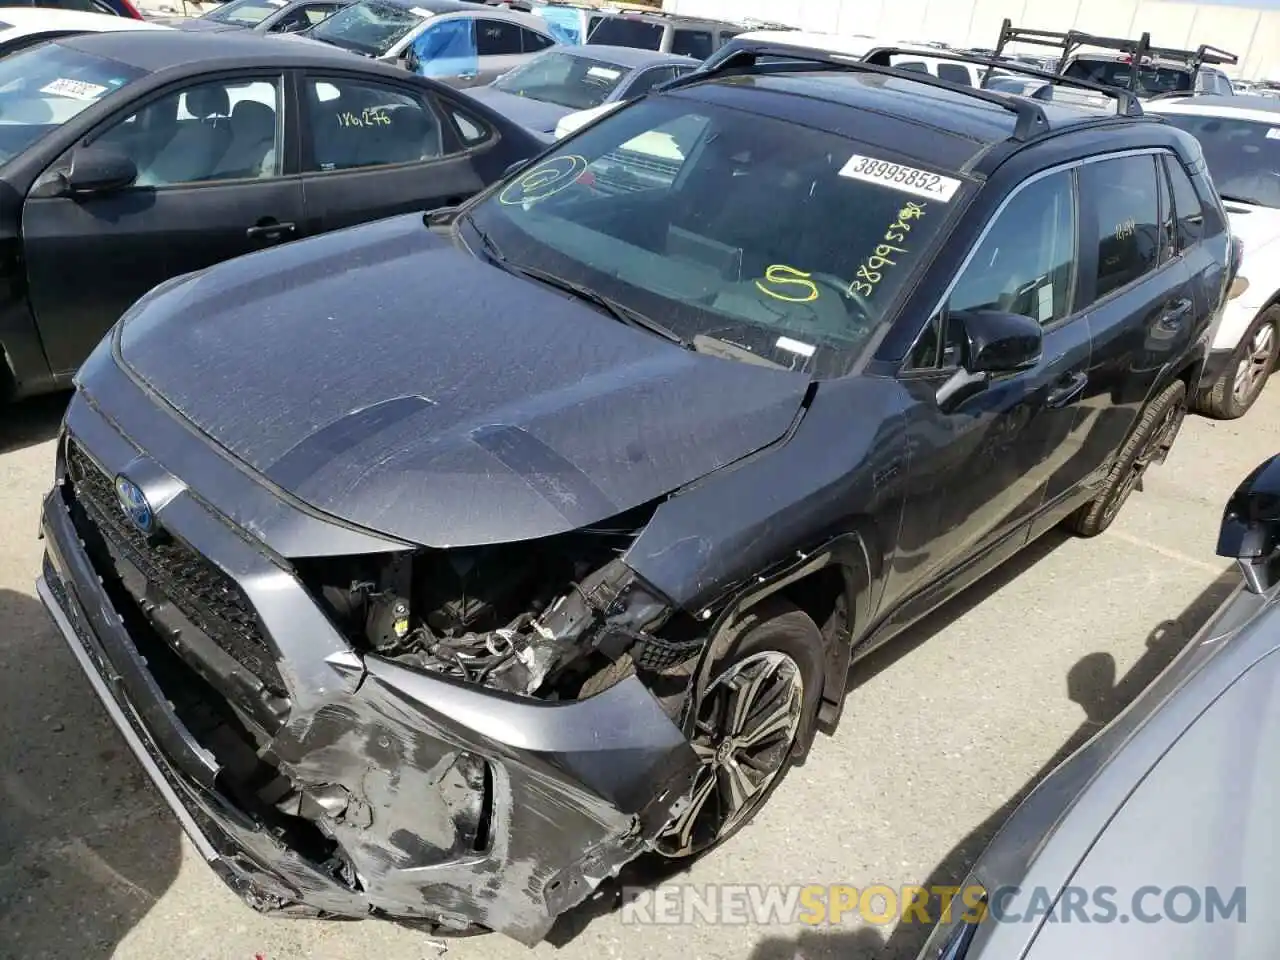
742	57
1127	104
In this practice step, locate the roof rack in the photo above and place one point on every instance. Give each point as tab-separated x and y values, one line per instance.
1127	104
1140	50
742	57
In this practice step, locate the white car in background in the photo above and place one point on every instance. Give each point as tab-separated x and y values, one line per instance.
22	27
1240	136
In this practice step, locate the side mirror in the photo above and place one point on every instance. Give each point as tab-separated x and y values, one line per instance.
993	343
1250	528
100	169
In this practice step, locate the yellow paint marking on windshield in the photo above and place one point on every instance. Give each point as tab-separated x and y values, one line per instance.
781	275
872	269
545	180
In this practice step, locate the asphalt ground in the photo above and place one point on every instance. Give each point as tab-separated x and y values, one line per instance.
944	732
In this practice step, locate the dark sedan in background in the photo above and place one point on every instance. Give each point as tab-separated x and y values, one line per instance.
263	16
130	158
566	79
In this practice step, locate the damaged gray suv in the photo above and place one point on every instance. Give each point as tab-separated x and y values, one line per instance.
439	567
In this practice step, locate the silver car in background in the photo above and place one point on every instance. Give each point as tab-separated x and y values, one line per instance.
1158	837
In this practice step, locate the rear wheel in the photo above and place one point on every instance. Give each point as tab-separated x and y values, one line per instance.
1149	443
1233	393
749	722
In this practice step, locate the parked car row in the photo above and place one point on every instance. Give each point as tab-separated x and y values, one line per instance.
499	518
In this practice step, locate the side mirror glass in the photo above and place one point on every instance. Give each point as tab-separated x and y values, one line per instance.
1250	528
993	343
100	169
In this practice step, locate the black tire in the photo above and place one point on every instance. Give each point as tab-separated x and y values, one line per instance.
1148	443
1221	400
773	631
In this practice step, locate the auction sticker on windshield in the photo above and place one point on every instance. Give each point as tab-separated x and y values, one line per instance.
897	176
75	89
604	72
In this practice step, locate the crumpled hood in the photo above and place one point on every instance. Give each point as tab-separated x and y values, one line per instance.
388	378
537	115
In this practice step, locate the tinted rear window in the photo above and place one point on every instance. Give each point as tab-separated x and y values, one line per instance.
619	32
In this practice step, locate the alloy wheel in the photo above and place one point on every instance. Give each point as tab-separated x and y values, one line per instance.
1163	433
746	725
1255	366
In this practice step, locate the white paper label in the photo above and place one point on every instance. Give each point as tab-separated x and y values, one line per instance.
76	89
795	346
604	73
1045	295
419	12
1273	133
897	176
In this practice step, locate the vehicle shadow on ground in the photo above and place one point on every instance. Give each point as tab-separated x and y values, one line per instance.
649	872
28	422
86	846
1093	685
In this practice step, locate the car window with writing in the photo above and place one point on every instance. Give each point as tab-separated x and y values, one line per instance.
1122	193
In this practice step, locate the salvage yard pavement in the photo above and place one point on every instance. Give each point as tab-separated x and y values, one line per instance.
942	734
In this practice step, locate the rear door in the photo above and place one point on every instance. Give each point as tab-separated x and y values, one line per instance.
215	180
374	148
1141	305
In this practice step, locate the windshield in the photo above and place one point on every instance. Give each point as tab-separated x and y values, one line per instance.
749	236
621	32
1116	73
564	79
46	86
245	13
369	27
1243	155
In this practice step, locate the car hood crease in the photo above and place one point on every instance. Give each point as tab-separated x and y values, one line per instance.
392	380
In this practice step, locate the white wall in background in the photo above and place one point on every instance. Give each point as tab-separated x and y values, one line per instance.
1252	34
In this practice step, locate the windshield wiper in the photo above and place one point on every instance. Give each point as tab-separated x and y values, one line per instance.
1236	198
623	314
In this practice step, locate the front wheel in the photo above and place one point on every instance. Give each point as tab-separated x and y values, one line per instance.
749	722
1149	443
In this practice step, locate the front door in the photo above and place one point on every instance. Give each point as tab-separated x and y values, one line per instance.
976	472
210	187
375	149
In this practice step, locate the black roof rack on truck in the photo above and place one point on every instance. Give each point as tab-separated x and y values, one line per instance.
1127	105
1071	41
740	56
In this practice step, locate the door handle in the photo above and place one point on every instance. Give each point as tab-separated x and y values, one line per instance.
270	231
1178	311
1068	389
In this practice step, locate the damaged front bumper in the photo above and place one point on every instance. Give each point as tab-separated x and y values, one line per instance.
372	788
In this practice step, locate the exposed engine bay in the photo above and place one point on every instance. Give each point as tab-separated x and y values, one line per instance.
557	618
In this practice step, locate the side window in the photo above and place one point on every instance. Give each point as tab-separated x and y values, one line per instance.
693	43
471	130
955	72
650	79
916	65
360	124
496	38
1024	264
1122	193
225	130
532	42
1186	205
